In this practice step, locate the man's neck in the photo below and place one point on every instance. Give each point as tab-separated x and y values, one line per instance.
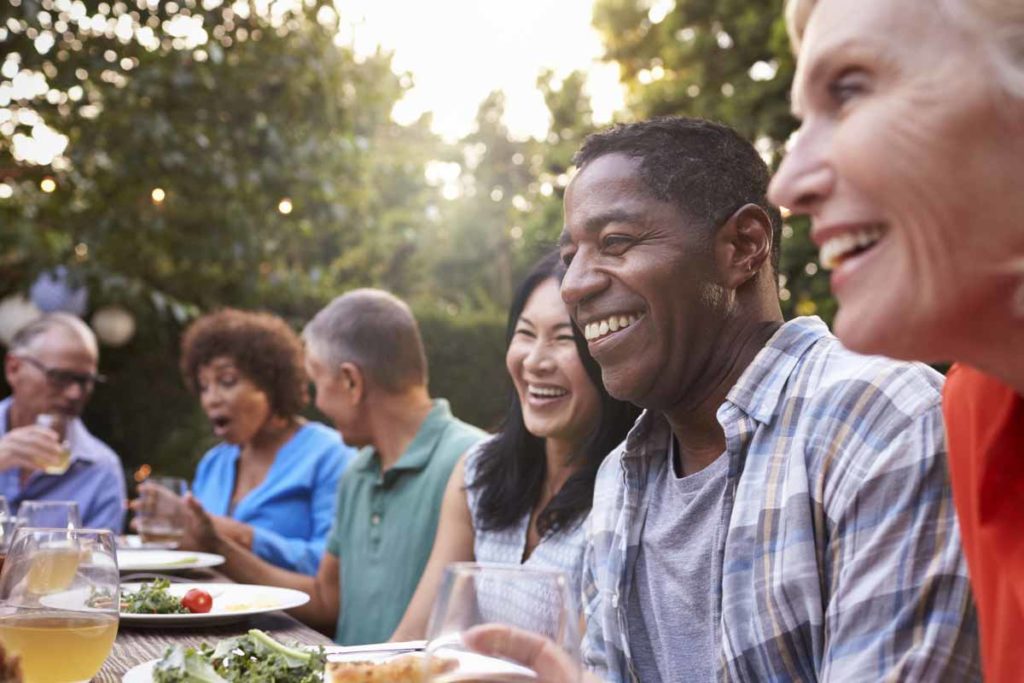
395	419
694	421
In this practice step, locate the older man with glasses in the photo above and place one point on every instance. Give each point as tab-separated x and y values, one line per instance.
51	369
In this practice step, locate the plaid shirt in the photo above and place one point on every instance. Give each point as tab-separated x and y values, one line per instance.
840	558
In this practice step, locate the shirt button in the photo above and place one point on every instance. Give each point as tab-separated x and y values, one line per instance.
375	520
615	600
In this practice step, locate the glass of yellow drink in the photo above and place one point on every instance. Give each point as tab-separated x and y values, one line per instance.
59	602
58	423
161	513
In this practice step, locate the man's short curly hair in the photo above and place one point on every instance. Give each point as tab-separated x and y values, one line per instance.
706	169
265	349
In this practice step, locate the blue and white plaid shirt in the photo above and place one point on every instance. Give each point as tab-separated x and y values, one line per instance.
840	558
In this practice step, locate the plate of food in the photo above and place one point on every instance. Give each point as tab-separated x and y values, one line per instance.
161	603
254	656
257	656
139	560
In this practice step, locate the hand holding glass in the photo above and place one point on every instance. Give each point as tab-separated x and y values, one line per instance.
161	511
58	423
496	598
59	602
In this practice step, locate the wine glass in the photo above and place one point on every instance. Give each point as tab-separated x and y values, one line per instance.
59	602
538	601
161	513
49	514
7	524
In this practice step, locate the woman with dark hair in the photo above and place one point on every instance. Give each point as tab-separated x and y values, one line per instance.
270	484
521	496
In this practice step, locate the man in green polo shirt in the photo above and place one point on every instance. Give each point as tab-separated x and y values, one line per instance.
366	358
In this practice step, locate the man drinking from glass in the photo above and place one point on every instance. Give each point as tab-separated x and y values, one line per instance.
46	452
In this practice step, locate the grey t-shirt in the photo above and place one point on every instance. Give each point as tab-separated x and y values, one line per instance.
671	611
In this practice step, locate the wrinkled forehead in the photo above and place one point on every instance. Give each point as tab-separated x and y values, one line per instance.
60	347
907	35
606	185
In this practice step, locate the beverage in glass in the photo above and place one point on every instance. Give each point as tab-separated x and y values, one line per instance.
161	515
59	602
58	422
474	595
7	524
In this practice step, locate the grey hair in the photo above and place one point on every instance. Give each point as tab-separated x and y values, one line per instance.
999	24
26	336
374	330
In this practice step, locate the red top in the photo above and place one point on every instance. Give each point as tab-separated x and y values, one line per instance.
985	427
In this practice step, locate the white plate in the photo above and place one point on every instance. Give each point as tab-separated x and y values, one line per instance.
473	667
129	560
143	673
231	602
135	542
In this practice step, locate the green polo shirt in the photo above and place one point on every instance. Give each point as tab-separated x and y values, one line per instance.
384	525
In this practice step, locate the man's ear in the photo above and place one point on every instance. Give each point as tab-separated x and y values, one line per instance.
11	365
743	244
353	381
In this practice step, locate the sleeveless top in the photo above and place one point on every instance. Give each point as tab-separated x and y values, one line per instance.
561	551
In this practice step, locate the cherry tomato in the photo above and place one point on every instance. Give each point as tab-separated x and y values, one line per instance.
197	601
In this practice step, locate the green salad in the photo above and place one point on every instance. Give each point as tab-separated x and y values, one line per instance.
152	598
254	657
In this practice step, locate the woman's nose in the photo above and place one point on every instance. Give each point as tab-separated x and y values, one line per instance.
805	177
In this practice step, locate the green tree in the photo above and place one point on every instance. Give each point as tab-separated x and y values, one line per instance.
725	60
216	155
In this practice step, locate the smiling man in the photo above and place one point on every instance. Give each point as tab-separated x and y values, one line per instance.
51	367
781	511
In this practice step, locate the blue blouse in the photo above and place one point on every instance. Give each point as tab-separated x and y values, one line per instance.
291	511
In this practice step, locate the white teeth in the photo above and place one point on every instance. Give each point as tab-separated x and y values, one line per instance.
546	392
613	323
839	247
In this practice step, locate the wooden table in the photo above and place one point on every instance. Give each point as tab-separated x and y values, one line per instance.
136	645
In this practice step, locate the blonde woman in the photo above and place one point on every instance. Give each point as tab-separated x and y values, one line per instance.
909	163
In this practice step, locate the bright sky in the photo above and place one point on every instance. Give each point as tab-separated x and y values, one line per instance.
458	51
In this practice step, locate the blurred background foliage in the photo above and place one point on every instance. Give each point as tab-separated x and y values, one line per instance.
258	166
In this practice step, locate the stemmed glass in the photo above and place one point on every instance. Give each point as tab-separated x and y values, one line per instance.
534	600
49	514
7	525
59	602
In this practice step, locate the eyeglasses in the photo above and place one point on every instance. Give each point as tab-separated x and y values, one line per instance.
62	379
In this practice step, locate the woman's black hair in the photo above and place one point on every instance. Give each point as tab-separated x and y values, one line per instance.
512	465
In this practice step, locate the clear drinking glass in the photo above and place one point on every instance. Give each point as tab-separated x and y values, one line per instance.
161	515
58	422
62	514
59	602
534	600
7	524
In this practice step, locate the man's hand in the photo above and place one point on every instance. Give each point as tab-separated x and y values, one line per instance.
31	448
543	656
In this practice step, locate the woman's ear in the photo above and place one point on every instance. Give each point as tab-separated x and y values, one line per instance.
743	245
